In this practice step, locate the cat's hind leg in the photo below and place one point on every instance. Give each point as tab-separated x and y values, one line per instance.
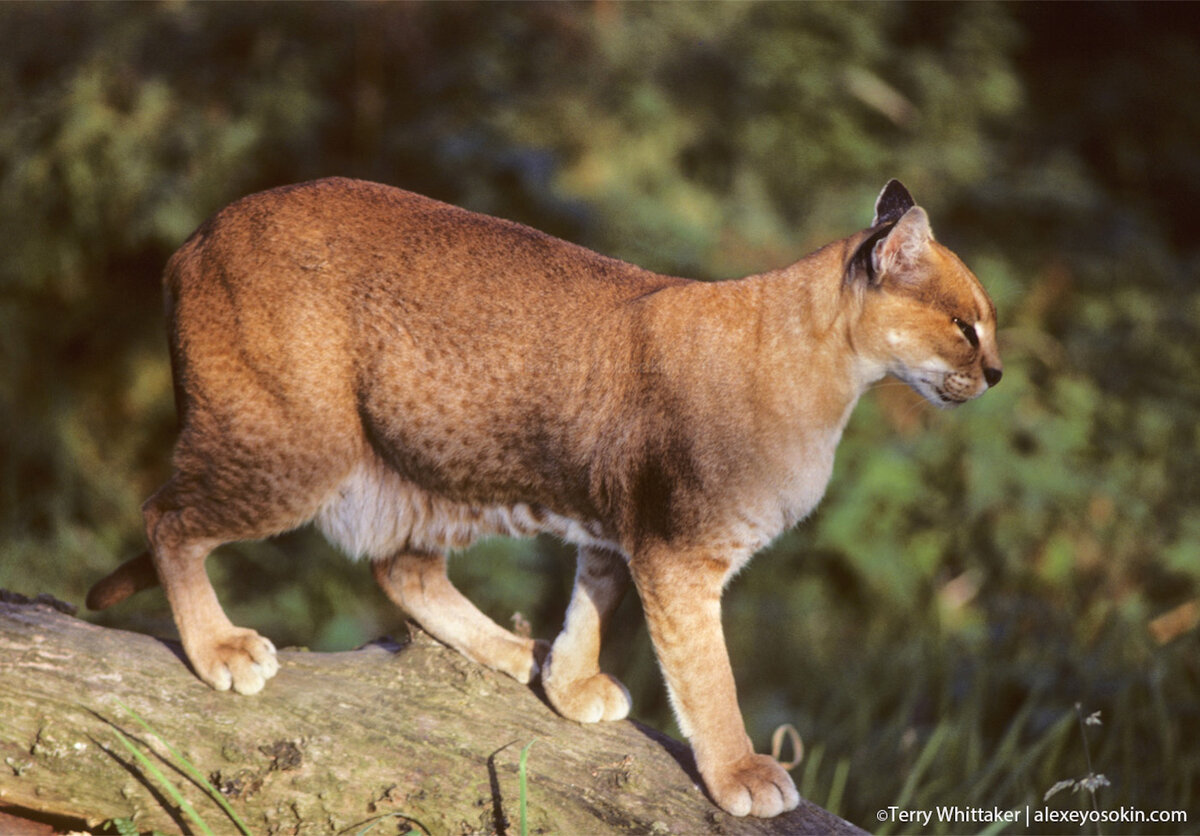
223	655
247	483
417	583
572	678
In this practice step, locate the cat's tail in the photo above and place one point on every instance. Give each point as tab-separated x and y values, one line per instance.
130	577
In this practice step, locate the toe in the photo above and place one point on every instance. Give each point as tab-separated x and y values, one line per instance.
756	785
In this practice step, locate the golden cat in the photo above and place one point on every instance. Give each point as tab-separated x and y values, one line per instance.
411	376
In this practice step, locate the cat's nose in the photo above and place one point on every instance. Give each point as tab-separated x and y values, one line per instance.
992	376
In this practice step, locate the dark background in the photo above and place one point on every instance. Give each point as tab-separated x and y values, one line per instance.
971	576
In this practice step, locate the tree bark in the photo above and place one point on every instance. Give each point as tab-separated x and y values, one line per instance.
407	736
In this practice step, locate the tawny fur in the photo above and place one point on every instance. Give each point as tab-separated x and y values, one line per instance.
411	376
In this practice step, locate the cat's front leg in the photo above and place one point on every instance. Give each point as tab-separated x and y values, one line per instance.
681	595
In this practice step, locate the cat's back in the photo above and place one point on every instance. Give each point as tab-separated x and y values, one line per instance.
340	237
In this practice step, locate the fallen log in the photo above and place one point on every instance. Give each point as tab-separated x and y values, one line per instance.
398	736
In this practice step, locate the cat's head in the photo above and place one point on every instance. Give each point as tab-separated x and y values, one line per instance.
925	318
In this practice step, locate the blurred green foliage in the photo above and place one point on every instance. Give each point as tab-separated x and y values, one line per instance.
970	576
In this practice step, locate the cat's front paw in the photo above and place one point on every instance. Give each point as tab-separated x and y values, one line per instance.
240	659
756	785
588	700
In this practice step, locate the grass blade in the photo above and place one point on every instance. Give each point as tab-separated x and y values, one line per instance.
924	760
170	789
521	783
191	771
838	789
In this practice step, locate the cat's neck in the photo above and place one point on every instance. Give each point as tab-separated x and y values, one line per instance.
810	350
784	345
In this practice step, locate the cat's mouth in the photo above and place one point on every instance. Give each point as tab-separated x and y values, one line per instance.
944	390
949	400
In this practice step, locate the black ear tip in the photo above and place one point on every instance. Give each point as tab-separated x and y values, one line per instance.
896	191
892	203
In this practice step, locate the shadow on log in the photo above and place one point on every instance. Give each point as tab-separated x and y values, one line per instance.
409	736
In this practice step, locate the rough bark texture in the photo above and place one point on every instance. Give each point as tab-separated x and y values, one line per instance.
413	732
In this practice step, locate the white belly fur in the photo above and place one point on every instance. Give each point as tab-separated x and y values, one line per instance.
375	513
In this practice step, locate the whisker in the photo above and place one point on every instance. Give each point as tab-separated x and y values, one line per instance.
889	384
921	404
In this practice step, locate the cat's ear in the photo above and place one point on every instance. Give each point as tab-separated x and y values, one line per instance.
892	203
891	206
898	253
891	247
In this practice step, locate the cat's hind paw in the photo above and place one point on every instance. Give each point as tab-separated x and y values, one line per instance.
240	659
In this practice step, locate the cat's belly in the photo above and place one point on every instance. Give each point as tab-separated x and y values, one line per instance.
375	513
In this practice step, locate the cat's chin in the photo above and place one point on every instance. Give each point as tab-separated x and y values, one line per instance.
945	401
929	389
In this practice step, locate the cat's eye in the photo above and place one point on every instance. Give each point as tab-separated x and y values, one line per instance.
968	331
